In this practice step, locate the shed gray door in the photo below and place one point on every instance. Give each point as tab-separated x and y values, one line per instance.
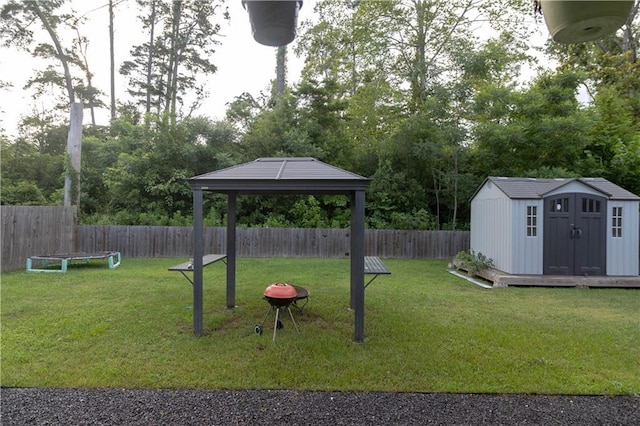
574	235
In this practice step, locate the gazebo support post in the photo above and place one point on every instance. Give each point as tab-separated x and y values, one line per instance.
232	198
197	262
357	263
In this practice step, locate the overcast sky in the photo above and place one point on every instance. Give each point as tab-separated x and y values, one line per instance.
243	65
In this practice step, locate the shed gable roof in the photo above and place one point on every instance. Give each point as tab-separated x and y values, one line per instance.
534	188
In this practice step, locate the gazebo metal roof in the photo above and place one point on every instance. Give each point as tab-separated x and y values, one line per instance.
300	175
281	175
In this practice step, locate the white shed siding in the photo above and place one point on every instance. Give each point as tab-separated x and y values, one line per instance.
491	219
622	253
527	251
499	223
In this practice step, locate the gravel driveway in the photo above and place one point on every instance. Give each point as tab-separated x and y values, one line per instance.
34	406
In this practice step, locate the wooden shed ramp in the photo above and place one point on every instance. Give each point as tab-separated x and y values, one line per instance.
502	279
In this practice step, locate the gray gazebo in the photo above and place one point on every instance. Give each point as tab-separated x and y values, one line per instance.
288	176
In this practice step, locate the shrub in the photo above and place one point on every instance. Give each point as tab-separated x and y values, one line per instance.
473	262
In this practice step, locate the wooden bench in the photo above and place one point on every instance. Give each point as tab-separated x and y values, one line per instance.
206	261
374	266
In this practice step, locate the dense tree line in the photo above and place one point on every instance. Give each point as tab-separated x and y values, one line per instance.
404	92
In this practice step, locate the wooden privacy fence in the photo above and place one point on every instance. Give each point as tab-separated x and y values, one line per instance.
172	241
30	230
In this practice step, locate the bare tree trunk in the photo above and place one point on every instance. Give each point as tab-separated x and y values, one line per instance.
436	189
60	53
418	82
455	189
281	70
74	138
82	50
112	63
176	50
74	149
630	35
152	25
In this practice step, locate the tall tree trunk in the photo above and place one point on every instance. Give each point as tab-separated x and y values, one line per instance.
61	56
174	60
455	189
74	150
281	71
436	190
82	50
152	26
629	36
418	79
74	138
112	63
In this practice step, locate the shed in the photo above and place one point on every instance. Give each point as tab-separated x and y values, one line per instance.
568	226
279	176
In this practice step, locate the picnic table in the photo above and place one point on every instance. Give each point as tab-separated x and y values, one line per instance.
206	261
374	266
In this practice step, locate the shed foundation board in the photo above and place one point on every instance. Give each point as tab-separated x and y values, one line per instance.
502	279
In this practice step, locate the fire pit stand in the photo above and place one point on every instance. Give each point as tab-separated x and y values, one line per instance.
281	296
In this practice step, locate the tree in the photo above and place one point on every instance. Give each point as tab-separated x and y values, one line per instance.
542	126
610	73
89	93
403	72
29	176
278	132
322	118
166	68
612	150
408	43
137	174
281	70
347	58
610	62
245	108
112	64
345	43
17	19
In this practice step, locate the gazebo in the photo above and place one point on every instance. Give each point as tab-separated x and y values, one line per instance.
271	176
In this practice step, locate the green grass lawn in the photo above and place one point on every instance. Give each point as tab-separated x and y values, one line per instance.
426	330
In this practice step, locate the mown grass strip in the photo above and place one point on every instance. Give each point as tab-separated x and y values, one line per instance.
426	330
